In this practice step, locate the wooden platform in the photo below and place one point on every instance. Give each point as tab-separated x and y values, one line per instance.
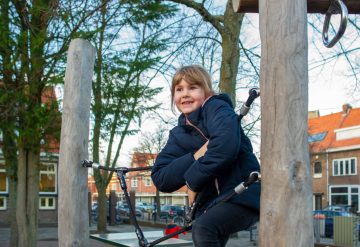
129	239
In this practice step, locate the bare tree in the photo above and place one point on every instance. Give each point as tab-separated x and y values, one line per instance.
153	142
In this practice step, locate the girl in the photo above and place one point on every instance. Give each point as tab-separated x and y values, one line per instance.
208	152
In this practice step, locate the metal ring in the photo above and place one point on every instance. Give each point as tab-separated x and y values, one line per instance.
336	7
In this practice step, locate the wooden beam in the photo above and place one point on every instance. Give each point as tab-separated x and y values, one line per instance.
313	6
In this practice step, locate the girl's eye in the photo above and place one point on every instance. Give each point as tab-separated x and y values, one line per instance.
178	89
193	87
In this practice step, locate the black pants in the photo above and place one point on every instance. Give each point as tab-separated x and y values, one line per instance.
213	228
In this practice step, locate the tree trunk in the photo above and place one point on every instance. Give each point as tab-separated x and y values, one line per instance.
27	197
230	51
102	213
73	218
10	155
286	197
98	111
12	213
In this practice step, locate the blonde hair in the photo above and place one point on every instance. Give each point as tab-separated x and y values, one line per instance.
192	74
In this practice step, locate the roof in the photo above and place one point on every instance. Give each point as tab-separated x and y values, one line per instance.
322	130
140	159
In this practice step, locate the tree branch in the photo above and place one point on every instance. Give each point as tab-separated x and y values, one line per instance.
215	21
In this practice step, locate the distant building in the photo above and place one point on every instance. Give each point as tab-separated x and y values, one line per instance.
141	183
334	157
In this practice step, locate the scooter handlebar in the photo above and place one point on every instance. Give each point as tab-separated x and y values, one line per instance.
86	163
253	94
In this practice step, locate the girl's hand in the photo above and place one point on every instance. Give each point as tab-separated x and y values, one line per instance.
191	196
201	151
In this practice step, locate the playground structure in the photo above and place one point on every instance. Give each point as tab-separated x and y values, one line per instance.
286	200
313	6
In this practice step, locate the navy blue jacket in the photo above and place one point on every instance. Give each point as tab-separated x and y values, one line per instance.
229	158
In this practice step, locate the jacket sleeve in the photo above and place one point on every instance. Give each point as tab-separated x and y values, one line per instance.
223	148
170	166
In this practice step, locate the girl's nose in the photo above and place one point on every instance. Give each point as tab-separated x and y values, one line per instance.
185	93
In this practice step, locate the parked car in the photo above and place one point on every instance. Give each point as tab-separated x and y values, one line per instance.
144	206
125	210
170	211
339	207
328	217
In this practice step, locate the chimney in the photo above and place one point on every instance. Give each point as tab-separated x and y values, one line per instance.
346	108
313	114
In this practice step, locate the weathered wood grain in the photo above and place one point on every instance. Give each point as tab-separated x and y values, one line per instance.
286	197
73	219
313	6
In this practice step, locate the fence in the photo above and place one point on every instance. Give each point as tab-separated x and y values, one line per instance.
337	230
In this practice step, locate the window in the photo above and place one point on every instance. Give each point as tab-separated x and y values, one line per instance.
317	169
3	179
344	167
147	181
134	182
347	195
47	178
47	203
2	203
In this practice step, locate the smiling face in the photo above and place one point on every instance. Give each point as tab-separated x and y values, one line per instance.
188	97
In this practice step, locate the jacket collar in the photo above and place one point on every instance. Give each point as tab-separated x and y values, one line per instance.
195	116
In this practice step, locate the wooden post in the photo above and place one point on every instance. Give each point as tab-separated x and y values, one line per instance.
313	6
286	196
73	216
89	207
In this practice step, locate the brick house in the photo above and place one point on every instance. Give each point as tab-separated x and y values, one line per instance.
48	185
141	183
334	143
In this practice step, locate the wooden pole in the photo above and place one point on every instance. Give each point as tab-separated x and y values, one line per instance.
286	196
313	6
73	216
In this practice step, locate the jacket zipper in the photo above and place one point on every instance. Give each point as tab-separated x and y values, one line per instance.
195	127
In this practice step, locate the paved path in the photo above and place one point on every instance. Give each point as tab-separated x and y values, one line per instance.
48	236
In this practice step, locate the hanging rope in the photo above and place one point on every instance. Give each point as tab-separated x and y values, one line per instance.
336	7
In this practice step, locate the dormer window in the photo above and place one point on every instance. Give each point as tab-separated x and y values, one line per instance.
347	133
